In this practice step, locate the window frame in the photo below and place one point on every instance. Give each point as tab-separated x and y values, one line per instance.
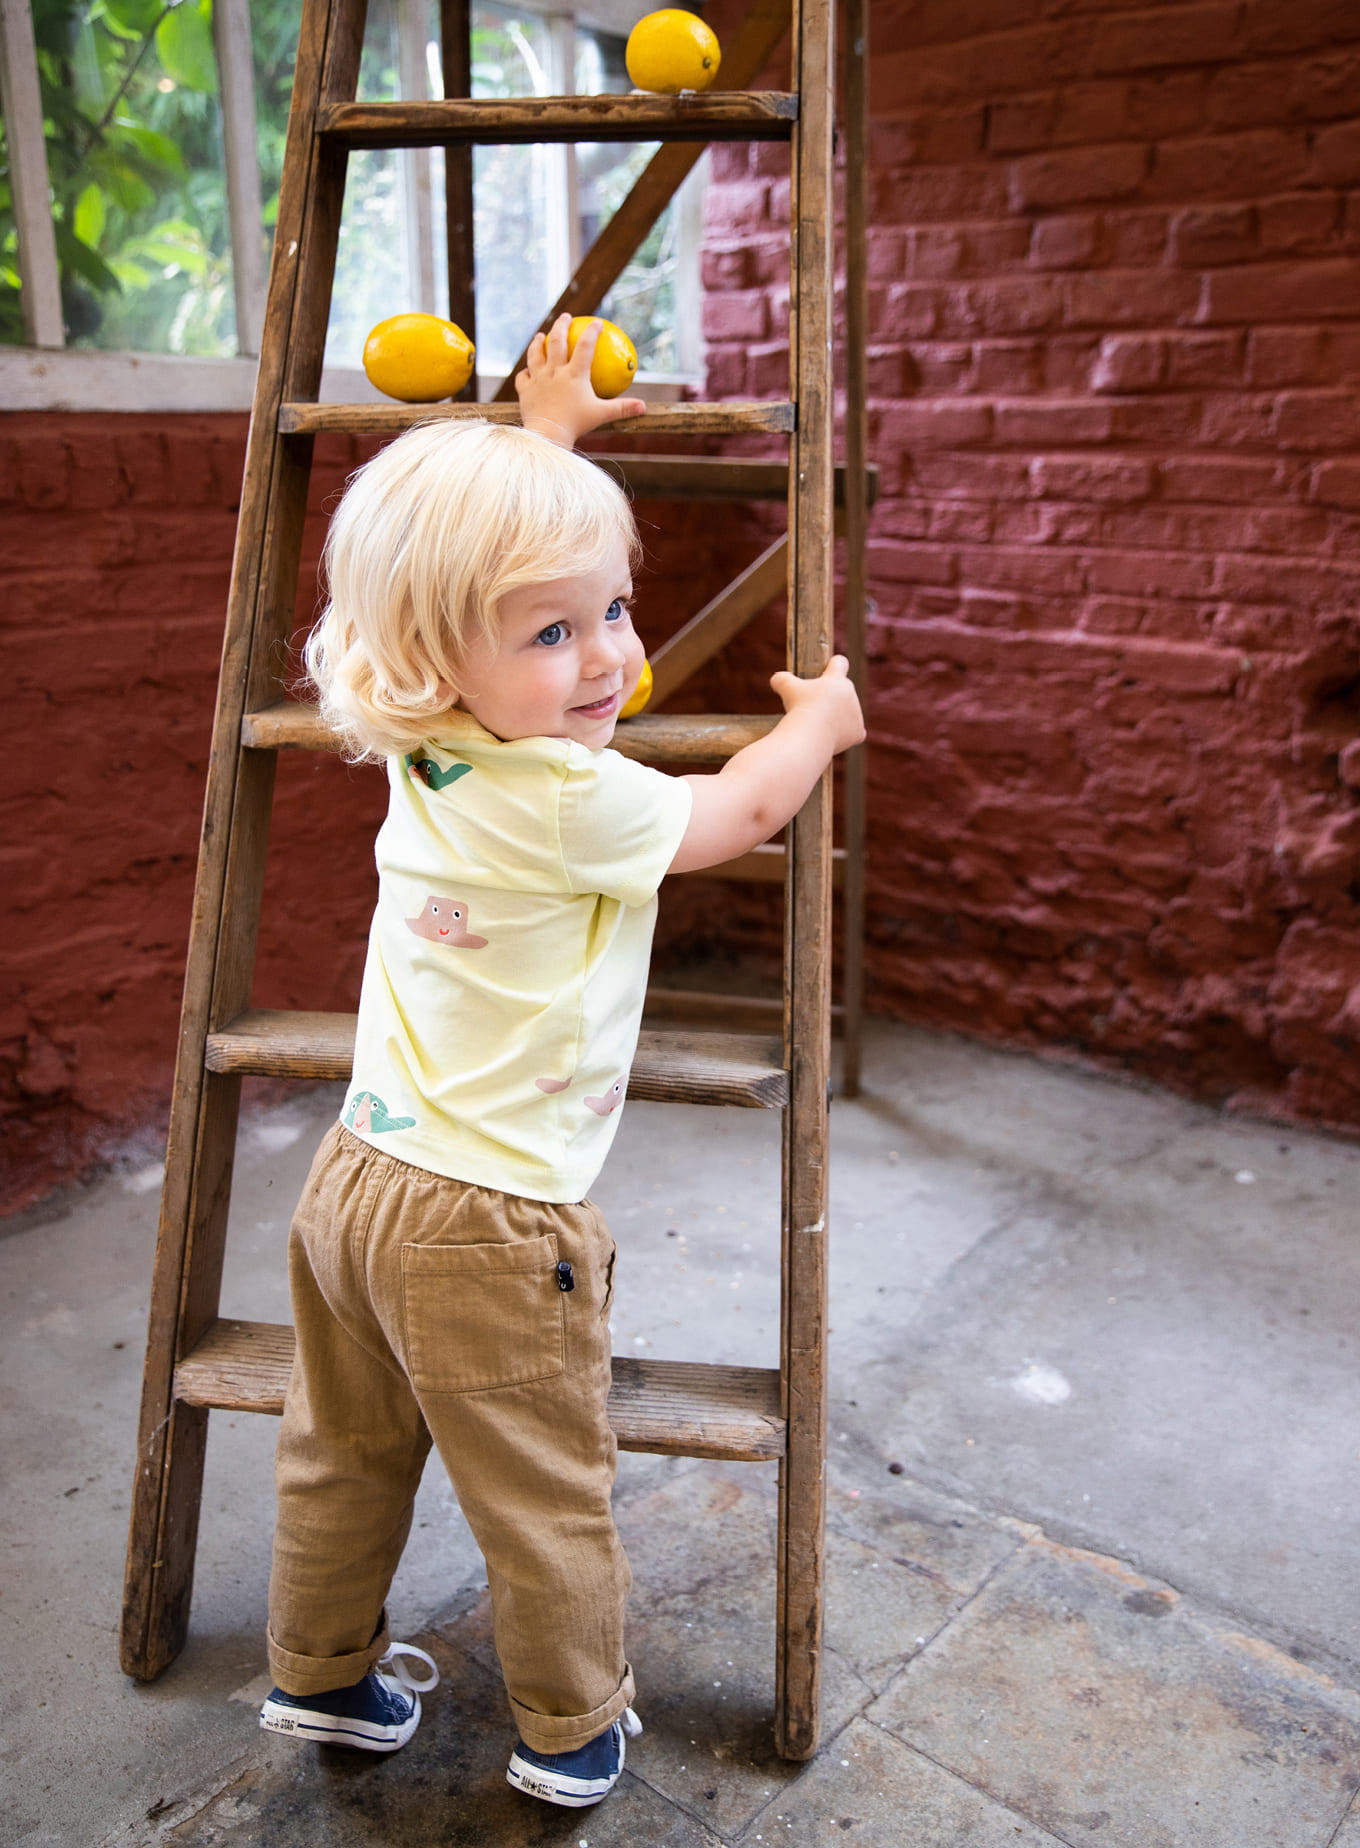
45	374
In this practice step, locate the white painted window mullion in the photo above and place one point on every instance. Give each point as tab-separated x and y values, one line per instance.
564	216
236	81
413	76
21	100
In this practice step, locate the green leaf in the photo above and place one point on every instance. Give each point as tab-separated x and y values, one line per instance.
88	219
185	44
86	263
130	275
149	142
126	187
134	16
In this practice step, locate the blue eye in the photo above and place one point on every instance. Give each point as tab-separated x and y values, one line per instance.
551	636
615	611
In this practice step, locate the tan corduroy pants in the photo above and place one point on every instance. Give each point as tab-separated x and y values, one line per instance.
426	1310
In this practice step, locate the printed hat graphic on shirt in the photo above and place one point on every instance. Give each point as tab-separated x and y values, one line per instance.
445	921
368	1115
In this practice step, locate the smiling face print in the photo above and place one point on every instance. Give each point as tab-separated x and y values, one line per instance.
445	920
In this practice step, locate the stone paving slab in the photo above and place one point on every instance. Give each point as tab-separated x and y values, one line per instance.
1348	1835
900	1565
869	1790
1105	1708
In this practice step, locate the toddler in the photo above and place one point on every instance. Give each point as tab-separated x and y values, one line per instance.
451	1281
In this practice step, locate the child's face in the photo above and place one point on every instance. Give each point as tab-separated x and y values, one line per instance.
567	659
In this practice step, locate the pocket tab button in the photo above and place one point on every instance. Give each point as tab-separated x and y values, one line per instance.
565	1280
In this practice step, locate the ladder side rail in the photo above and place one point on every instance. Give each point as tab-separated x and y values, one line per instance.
807	942
171	1438
455	38
752	46
855	129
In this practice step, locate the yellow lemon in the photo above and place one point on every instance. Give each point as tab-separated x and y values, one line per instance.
672	51
615	361
418	358
640	694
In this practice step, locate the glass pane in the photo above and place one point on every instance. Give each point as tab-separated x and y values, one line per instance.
134	152
519	193
642	301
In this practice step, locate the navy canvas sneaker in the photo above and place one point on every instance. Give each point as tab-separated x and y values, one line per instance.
377	1714
575	1779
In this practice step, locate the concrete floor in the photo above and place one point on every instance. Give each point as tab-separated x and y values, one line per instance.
1092	1504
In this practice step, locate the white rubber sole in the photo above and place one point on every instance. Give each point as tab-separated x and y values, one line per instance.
328	1729
557	1787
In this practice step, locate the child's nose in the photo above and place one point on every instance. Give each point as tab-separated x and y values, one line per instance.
606	653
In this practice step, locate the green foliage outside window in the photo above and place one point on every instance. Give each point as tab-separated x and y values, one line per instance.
134	155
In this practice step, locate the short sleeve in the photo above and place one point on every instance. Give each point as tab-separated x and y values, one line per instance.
621	825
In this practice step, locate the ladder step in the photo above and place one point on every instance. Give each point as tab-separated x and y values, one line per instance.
713	115
737	478
679	1408
763	866
304	418
678	738
670	1066
745	1013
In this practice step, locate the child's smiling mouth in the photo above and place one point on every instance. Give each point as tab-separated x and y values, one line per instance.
600	708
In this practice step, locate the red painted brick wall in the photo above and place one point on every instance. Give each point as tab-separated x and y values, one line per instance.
1115	349
1115	325
116	536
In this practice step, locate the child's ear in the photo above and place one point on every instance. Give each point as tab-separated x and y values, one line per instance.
447	692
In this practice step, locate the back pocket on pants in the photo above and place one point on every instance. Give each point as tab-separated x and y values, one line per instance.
482	1316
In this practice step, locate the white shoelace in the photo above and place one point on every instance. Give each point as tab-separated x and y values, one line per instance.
392	1664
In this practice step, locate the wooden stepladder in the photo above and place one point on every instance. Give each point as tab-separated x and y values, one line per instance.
196	1360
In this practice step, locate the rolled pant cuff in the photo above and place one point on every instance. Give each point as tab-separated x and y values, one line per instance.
548	1732
301	1675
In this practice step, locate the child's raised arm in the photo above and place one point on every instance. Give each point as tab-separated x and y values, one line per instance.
556	397
766	784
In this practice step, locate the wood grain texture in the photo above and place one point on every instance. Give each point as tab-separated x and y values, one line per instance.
654	738
167	1480
765	865
807	936
711	478
670	1407
455	28
768	416
713	115
736	1013
858	500
669	1067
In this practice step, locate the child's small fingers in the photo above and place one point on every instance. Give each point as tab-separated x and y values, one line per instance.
555	342
624	407
837	668
584	351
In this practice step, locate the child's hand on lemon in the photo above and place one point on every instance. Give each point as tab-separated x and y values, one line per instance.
568	383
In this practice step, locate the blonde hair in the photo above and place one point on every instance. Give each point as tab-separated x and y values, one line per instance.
430	536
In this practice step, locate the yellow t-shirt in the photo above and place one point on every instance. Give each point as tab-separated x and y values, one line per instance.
507	961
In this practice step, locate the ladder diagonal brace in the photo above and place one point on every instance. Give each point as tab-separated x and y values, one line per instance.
753	45
720	620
